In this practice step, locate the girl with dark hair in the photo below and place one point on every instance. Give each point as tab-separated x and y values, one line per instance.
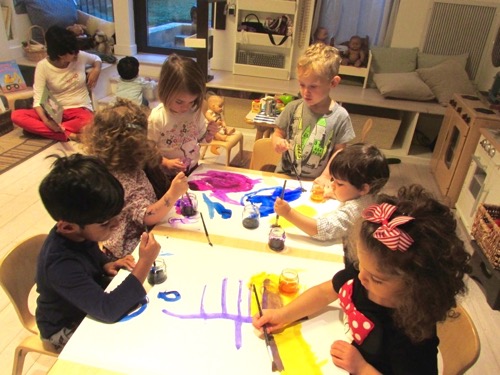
410	270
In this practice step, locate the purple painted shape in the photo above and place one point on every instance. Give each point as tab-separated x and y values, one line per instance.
221	183
238	318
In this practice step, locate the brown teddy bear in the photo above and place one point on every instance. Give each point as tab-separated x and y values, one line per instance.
103	44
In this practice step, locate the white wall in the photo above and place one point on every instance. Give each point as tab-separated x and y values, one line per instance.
413	17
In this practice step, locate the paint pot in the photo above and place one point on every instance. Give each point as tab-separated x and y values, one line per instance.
188	205
289	281
250	216
317	193
277	238
158	272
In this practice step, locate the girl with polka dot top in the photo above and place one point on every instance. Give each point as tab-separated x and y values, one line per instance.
409	273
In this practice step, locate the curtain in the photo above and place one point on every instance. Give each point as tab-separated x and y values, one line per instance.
345	18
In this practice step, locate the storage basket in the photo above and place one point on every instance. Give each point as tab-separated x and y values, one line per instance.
486	232
34	50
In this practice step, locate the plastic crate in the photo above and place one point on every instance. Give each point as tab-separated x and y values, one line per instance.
486	232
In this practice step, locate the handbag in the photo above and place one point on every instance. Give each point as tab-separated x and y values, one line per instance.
279	25
252	24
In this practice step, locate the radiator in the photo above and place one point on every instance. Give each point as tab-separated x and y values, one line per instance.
457	28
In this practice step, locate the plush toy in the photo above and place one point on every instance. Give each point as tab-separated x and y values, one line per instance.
355	54
215	112
84	41
103	44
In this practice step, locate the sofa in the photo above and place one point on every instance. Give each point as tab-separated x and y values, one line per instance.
64	13
407	73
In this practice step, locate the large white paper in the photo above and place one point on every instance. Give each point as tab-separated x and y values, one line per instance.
154	342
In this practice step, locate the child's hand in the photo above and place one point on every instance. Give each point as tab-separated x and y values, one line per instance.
281	207
54	126
175	165
347	357
212	128
112	268
272	317
178	186
281	146
149	248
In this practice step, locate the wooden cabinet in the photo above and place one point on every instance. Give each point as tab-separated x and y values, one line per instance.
255	54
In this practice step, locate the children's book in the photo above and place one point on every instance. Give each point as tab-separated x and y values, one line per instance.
11	78
51	106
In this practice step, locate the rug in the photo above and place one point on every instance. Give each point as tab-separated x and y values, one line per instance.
16	148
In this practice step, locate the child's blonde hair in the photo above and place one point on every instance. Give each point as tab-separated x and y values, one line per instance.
181	74
118	136
320	59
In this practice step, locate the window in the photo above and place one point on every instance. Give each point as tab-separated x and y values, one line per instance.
100	8
168	22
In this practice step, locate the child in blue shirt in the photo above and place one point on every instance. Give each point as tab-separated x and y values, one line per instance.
72	272
130	85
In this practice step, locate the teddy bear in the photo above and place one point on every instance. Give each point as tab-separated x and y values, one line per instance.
103	44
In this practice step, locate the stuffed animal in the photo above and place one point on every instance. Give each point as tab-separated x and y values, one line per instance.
103	44
84	41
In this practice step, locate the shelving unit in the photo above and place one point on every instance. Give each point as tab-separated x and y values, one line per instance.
363	72
255	55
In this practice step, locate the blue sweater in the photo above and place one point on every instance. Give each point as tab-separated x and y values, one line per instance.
71	281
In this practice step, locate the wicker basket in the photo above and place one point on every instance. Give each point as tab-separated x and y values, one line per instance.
486	232
34	50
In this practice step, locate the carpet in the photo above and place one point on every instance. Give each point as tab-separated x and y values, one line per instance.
15	148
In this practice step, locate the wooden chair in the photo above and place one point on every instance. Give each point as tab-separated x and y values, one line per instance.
366	129
264	158
458	343
232	140
17	277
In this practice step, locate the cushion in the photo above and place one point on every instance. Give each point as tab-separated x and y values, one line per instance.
94	23
427	60
394	60
46	13
445	79
403	86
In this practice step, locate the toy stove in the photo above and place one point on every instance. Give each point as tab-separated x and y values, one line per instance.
457	141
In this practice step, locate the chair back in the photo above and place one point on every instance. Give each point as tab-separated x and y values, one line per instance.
17	277
458	343
264	158
366	129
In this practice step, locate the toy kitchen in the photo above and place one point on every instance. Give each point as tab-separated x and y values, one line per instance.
456	143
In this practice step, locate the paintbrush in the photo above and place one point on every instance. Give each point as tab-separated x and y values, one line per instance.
281	196
205	228
267	337
297	176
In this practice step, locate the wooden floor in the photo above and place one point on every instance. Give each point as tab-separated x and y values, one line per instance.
23	215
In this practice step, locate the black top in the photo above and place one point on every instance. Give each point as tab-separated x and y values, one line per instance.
387	348
71	281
